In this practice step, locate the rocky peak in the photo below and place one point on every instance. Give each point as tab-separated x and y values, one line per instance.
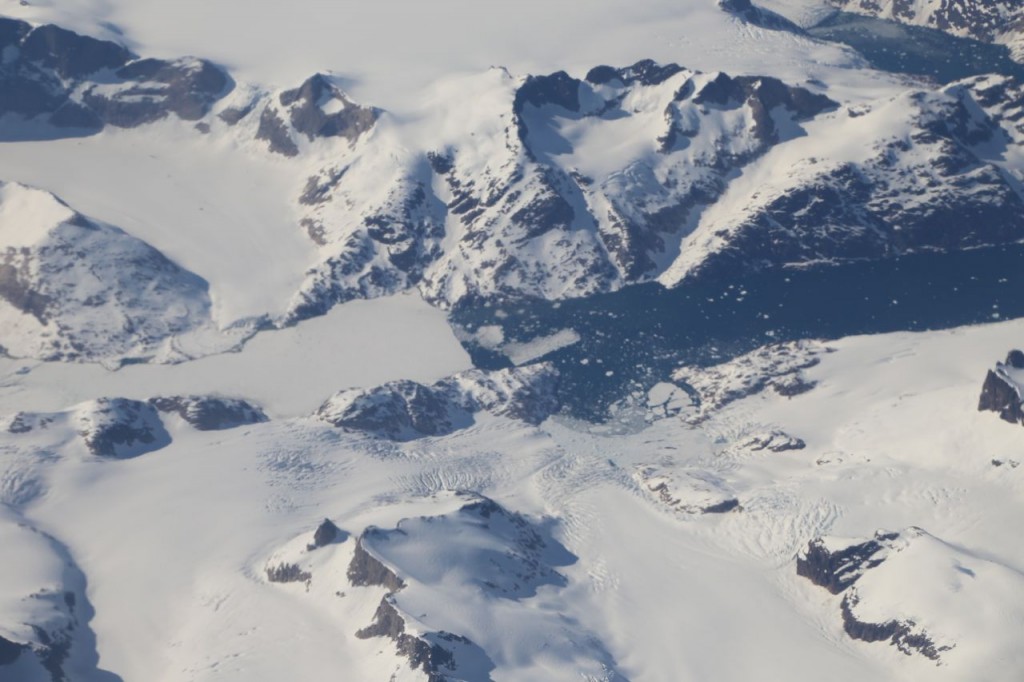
315	109
120	428
406	410
208	413
645	72
1002	391
70	55
61	79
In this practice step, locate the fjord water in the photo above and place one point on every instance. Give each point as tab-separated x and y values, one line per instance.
634	338
915	50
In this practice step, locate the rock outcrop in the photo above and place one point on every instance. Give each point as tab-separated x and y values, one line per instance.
208	413
75	289
78	84
923	596
779	367
481	552
406	410
1001	392
120	428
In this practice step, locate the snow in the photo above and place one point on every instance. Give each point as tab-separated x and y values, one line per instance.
27	215
386	52
893	440
289	372
226	213
173	544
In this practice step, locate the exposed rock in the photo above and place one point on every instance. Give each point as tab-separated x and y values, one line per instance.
437	654
927	190
527	224
121	428
405	410
939	584
399	410
1001	392
838	567
207	413
73	81
687	491
25	422
776	366
998	21
773	441
645	72
499	553
74	289
316	109
900	634
310	106
273	130
325	534
288	573
367	570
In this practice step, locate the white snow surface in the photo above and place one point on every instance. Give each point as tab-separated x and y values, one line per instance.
388	51
289	371
893	440
212	205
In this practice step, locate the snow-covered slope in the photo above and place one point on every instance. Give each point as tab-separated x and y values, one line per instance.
350	497
586	540
553	186
73	289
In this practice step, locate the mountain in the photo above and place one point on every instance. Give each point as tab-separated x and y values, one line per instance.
74	289
418	342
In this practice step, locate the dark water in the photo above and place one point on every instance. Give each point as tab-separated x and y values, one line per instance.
634	338
918	51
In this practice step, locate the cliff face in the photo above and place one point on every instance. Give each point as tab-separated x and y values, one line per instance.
1001	392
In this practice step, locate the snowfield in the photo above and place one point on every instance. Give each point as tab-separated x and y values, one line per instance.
244	435
891	439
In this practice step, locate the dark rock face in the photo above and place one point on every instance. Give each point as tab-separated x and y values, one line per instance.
645	72
79	83
406	410
400	410
762	95
366	570
437	654
308	117
288	573
119	427
899	634
315	109
836	570
890	203
525	564
1001	393
325	534
273	130
559	89
9	651
206	413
